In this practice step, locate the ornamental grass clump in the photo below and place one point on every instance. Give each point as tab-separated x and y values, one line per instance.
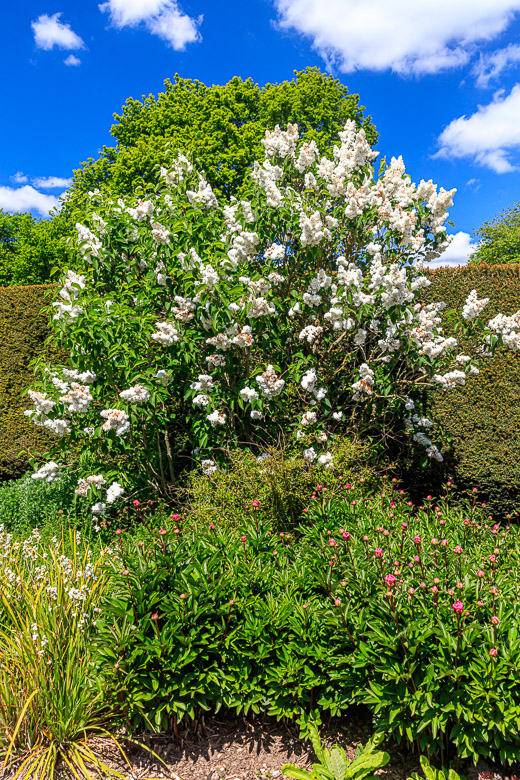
411	611
292	315
50	704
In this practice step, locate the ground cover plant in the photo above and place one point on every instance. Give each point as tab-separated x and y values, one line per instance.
410	611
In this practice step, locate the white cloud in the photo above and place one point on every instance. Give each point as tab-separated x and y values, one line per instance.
19	177
490	66
27	199
50	32
72	60
457	253
404	35
163	18
51	182
488	136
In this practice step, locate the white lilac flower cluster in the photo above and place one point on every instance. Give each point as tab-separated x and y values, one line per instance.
116	420
473	307
269	383
50	472
138	394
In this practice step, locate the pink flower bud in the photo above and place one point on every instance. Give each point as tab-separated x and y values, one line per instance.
232	602
390	579
404	526
444	543
480	603
337	602
212	526
365	538
495	620
480	573
125	572
119	532
493	652
417	539
434	589
243	538
255	503
162	531
435	541
182	596
345	535
416	558
436	580
457	549
458	607
332	543
460	585
451	592
175	517
422	585
155	616
136	503
378	553
411	591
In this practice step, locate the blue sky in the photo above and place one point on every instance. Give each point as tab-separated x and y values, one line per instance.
441	79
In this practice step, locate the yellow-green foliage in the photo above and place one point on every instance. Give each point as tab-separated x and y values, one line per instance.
282	483
23	330
484	417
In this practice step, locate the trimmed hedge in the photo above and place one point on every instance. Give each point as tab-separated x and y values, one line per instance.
23	330
482	419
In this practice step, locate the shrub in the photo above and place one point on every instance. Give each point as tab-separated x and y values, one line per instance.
412	611
279	480
197	327
28	503
481	423
23	330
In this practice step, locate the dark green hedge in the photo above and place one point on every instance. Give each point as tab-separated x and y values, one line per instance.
23	330
483	418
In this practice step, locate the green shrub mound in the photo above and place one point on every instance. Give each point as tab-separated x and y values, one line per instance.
482	420
413	613
23	331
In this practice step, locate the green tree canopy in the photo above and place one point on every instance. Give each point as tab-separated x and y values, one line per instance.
220	126
499	239
30	248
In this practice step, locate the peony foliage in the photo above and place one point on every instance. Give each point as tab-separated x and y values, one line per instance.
292	315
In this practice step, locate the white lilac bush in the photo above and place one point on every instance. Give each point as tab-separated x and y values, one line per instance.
292	315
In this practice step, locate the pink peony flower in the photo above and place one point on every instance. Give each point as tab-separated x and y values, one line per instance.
458	607
390	579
